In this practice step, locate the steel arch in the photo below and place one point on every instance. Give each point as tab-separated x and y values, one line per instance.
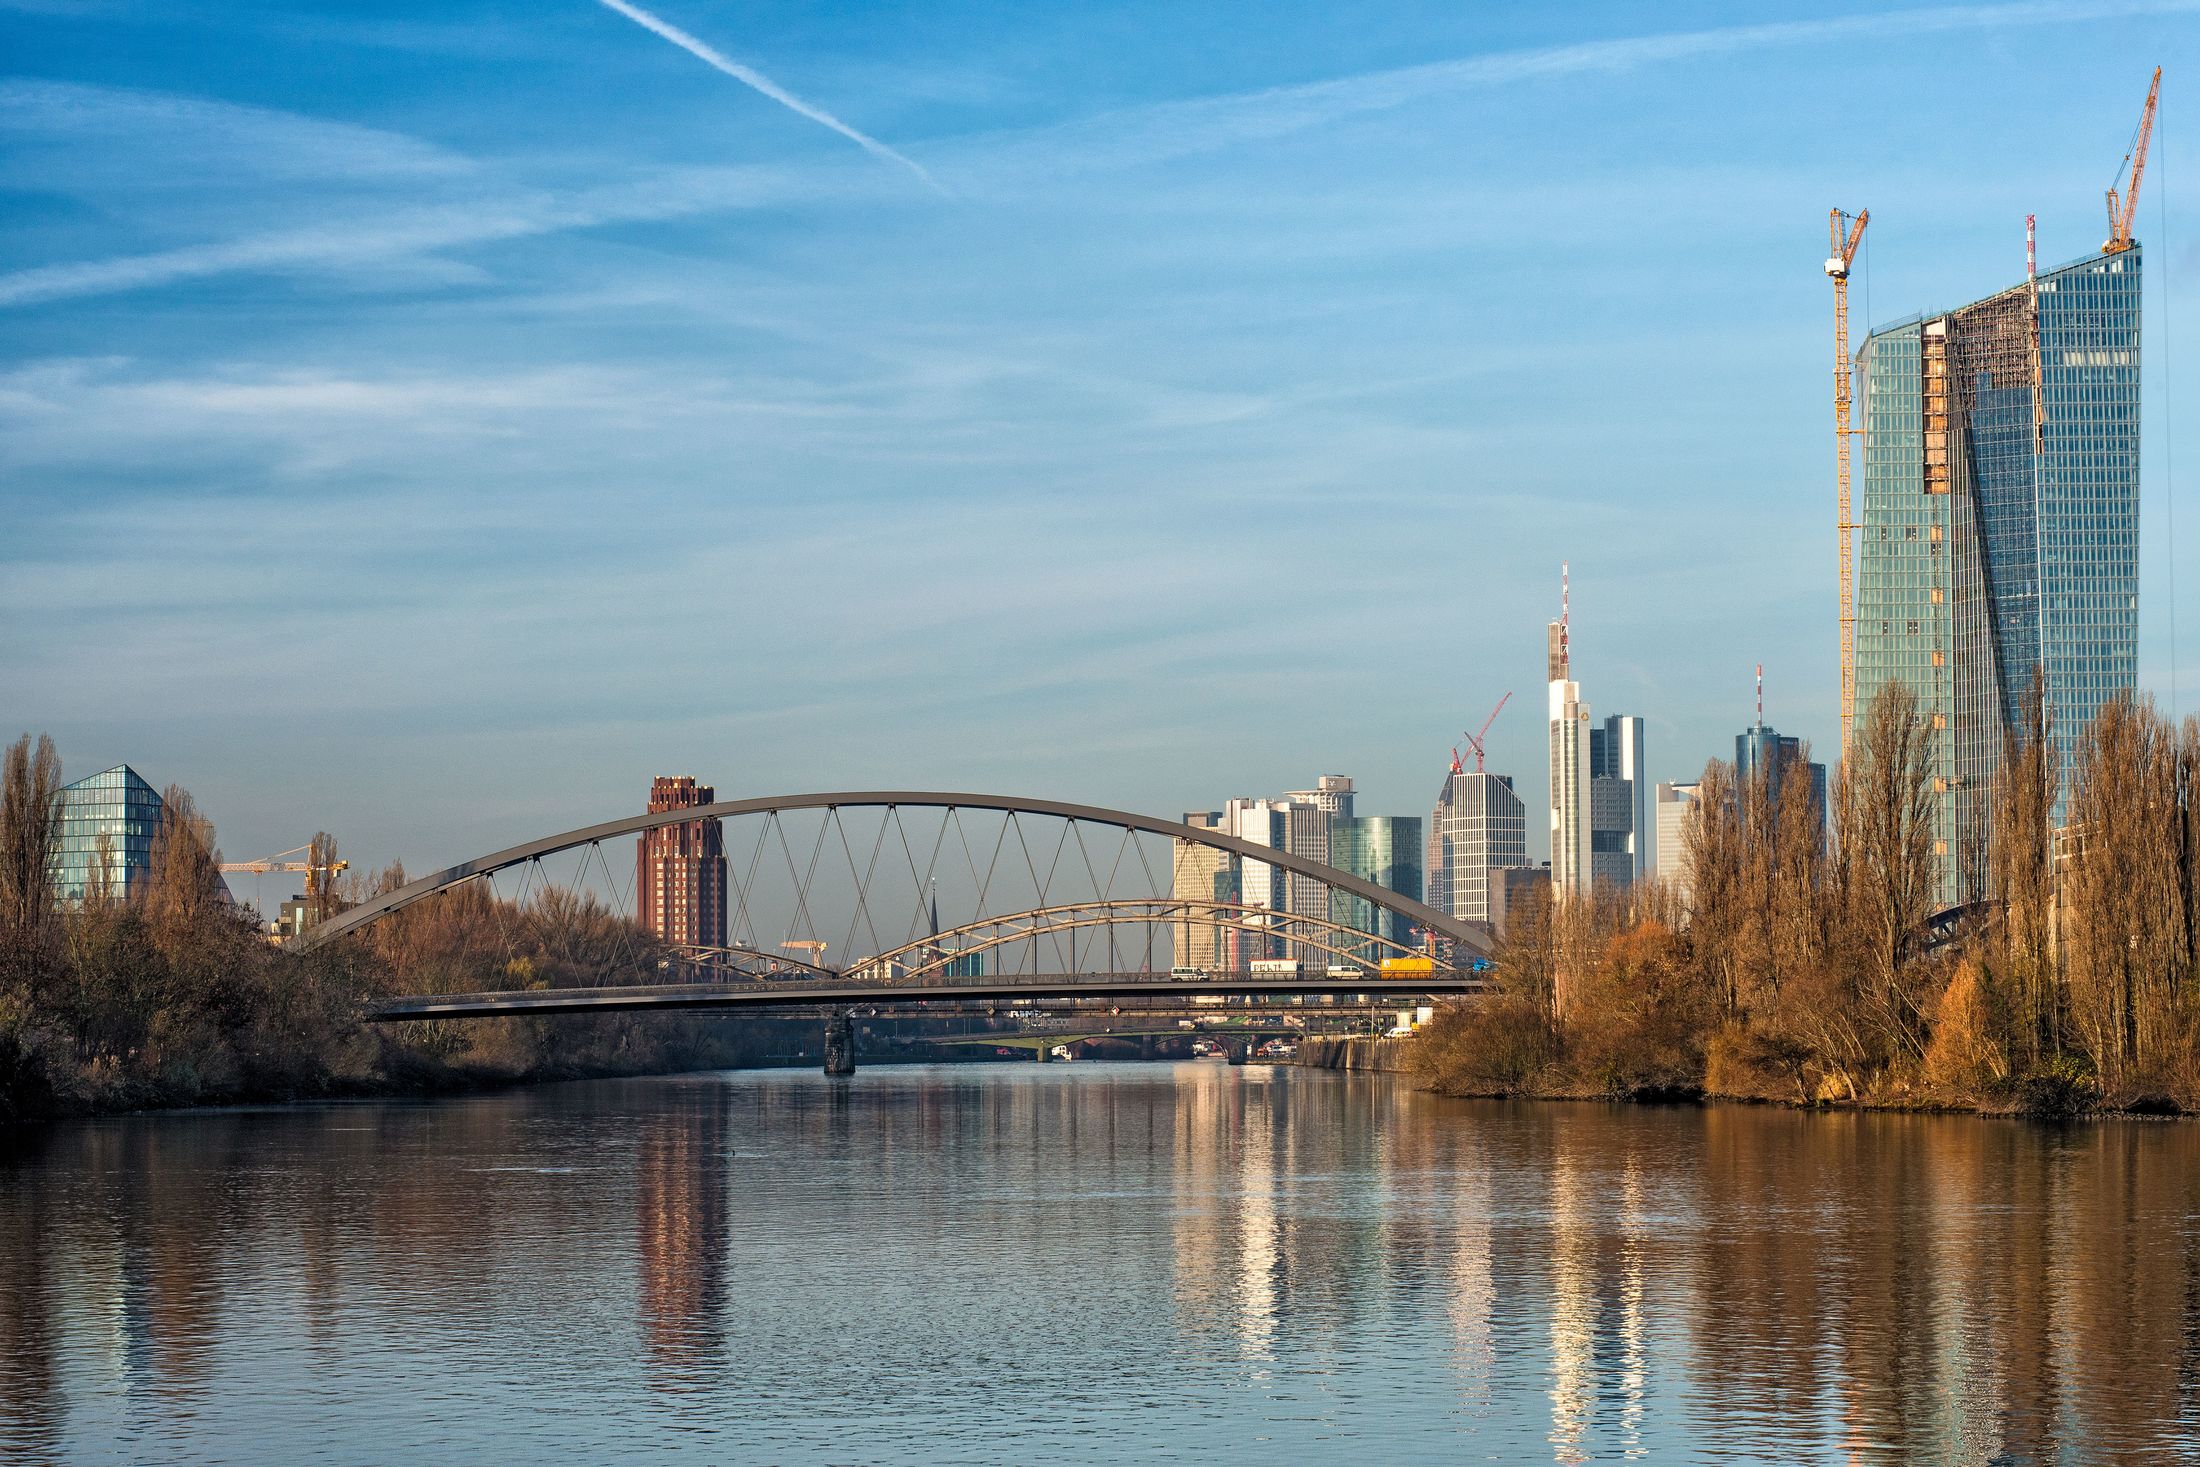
698	954
1450	928
1319	933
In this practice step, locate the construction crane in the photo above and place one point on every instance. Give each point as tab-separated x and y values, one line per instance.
814	948
2032	289
1474	740
317	873
320	881
2123	209
1837	266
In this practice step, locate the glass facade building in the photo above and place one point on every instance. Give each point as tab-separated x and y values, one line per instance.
1999	530
1384	849
1619	821
108	821
1763	747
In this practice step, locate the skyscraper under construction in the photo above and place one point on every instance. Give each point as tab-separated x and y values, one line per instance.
1999	530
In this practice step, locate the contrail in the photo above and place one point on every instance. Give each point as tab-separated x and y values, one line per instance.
749	76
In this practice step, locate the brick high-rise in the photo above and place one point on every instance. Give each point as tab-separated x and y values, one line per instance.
680	869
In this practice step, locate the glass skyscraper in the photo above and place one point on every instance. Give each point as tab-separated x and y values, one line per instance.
1384	849
108	821
1619	802
1762	747
2000	525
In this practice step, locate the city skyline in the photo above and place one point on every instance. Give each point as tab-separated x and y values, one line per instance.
234	429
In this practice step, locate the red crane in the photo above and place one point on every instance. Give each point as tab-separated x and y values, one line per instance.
1474	740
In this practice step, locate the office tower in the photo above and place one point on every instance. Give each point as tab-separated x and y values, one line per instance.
1299	828
1480	827
1305	833
1570	842
108	823
680	869
1619	824
1779	756
1999	531
1510	889
1262	823
1384	849
1203	874
1332	795
1673	858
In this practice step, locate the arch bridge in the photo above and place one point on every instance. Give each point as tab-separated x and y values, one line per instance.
907	897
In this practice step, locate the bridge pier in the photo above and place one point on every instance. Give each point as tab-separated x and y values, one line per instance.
840	1043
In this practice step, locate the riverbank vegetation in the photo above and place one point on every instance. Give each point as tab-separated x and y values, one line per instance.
171	995
1803	964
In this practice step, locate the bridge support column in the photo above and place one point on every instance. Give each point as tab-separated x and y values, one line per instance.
840	1043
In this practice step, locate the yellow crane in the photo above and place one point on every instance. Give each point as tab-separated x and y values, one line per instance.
317	873
1845	237
2123	210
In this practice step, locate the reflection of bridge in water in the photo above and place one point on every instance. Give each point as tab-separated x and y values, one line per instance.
1051	902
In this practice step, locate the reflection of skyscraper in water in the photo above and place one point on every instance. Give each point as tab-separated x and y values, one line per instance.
1598	1310
1573	1306
1199	1249
680	1240
171	1273
1473	1276
1228	1245
1259	1243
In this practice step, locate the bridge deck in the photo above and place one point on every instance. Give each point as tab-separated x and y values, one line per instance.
845	993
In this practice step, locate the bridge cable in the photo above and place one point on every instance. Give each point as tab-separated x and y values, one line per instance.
863	892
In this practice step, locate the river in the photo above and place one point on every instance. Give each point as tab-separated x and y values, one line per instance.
1093	1263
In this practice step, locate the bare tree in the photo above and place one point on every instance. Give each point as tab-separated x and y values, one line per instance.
184	885
2021	868
1712	832
1526	957
30	835
322	901
1893	865
2124	920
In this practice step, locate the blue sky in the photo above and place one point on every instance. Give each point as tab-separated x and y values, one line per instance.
428	422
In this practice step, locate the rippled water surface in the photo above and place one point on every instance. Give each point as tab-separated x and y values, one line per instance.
1093	1263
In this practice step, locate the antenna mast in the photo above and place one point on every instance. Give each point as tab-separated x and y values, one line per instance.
1565	611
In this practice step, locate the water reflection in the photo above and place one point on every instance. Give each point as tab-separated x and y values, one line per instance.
31	1403
681	1235
966	1264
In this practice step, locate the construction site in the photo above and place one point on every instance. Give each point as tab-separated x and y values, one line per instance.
1995	534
